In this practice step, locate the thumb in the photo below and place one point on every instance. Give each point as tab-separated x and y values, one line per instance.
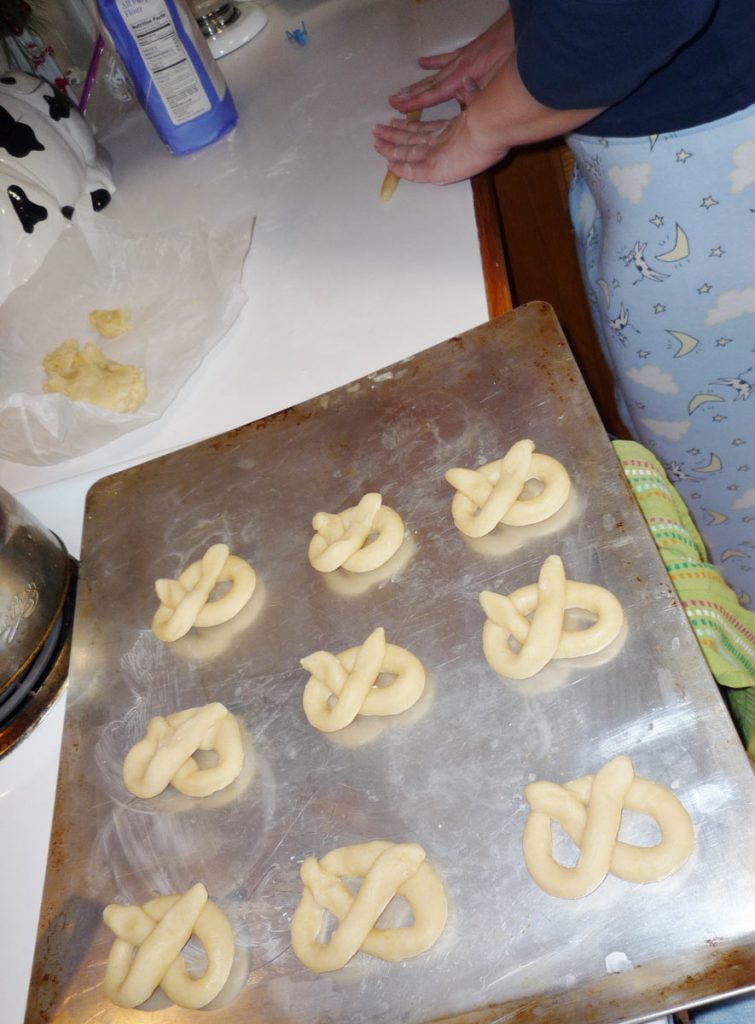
466	92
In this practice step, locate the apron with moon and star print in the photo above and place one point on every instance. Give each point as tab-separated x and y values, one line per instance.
665	232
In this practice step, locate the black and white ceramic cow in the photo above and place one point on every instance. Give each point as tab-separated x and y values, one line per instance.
49	164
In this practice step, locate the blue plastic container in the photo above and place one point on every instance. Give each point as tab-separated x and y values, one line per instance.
175	76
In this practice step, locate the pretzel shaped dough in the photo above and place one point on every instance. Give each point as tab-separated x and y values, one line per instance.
492	494
185	602
544	636
589	811
164	756
146	953
342	540
351	677
388	870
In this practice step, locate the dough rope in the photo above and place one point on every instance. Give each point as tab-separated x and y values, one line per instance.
544	636
351	677
146	953
343	540
164	756
388	870
493	494
185	602
589	811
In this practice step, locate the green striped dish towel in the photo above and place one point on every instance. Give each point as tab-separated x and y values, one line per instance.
725	630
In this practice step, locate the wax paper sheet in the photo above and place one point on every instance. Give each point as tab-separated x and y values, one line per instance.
183	291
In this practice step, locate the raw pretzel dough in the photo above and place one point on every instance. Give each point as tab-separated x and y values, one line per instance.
492	494
185	602
388	870
110	323
390	181
352	677
164	756
589	810
89	376
544	636
342	540
146	953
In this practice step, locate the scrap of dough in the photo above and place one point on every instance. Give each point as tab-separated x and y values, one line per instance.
110	323
343	540
87	375
493	494
391	180
185	602
352	676
146	953
388	870
165	755
589	810
544	637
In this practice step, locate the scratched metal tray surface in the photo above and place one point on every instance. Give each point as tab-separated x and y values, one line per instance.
450	773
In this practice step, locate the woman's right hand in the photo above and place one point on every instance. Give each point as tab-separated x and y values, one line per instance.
461	73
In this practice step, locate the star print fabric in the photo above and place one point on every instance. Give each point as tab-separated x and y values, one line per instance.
665	234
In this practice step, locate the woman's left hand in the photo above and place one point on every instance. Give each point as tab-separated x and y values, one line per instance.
439	152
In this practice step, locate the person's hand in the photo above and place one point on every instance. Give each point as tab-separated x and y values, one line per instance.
460	73
500	113
434	151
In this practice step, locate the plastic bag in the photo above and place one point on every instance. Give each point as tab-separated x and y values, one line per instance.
182	290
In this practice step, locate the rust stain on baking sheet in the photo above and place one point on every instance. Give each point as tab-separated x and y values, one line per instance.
732	969
226	440
295	414
727	971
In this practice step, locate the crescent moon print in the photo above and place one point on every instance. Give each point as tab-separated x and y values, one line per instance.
701	399
680	250
716	518
678	267
686	343
713	466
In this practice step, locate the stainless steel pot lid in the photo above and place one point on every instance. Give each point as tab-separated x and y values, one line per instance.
34	581
26	701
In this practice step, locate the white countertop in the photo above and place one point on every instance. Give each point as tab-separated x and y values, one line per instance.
339	285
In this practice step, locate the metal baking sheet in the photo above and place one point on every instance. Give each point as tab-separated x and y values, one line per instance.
449	773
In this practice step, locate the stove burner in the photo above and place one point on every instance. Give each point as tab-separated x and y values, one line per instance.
215	16
28	699
228	24
25	683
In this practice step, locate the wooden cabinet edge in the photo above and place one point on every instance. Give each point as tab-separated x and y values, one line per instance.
527	252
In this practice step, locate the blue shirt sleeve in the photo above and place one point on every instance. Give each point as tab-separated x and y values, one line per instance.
578	54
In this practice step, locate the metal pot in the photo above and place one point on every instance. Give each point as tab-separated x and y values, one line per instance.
35	580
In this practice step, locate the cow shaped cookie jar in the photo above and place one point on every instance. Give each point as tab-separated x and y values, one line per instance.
48	166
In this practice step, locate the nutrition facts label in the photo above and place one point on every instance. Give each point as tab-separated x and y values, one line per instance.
167	59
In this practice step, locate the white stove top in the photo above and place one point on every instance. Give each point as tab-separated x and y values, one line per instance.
27	795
